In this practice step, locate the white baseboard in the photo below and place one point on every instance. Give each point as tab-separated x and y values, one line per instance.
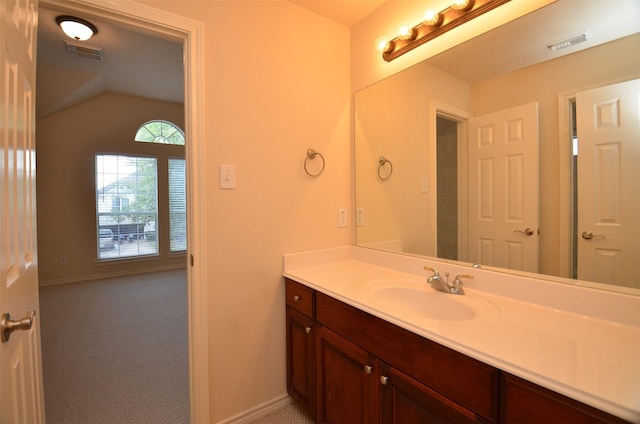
102	276
258	411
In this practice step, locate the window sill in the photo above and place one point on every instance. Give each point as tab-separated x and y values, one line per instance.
101	262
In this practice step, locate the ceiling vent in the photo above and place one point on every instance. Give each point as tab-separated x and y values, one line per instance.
572	40
82	50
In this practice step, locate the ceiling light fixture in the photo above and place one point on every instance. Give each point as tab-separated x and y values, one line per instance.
436	24
76	28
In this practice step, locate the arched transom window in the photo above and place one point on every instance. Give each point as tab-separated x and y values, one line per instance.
161	132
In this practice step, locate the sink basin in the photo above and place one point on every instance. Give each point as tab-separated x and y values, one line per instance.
427	301
418	299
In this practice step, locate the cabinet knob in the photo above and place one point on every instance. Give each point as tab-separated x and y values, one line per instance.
307	330
296	298
368	369
384	380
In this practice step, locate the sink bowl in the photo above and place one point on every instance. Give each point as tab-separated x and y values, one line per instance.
426	301
416	298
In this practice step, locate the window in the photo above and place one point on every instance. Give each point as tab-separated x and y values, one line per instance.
126	205
177	205
161	132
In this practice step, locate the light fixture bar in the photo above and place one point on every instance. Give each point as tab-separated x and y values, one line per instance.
450	18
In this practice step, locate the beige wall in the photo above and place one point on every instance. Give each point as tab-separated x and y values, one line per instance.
276	83
67	143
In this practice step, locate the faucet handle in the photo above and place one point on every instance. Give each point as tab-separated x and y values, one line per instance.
457	282
456	285
435	271
458	279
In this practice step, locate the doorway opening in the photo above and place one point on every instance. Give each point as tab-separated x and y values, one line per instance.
190	34
447	187
573	166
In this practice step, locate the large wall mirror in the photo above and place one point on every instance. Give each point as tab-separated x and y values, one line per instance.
506	153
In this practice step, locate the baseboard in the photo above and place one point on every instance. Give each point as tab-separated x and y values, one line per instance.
102	276
258	411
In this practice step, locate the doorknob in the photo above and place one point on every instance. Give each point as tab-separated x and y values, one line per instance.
588	235
8	326
527	231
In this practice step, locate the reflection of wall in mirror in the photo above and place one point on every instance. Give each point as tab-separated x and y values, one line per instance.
394	122
600	65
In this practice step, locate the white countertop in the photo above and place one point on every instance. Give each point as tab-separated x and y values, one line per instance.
579	342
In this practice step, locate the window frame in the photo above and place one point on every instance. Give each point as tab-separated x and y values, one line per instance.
172	229
141	138
110	251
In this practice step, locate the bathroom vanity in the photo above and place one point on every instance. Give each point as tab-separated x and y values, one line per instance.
369	341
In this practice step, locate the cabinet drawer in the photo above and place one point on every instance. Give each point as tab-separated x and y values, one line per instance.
466	381
300	297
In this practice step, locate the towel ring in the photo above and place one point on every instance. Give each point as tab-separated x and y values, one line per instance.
381	163
311	154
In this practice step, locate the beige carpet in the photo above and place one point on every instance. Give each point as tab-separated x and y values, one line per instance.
116	350
290	414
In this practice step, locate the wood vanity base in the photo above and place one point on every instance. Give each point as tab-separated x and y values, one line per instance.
345	365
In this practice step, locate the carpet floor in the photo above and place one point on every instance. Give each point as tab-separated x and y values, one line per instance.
290	414
116	350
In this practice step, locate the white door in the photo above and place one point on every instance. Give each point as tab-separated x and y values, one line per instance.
503	188
21	394
608	122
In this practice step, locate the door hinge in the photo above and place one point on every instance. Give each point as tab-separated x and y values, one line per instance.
191	259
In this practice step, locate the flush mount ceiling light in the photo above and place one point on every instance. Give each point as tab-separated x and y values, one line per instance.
76	28
437	23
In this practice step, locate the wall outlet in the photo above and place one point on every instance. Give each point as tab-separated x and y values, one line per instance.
62	260
342	218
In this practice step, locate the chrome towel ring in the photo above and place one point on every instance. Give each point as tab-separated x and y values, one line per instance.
311	154
381	163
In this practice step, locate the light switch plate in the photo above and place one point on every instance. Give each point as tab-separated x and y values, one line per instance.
227	176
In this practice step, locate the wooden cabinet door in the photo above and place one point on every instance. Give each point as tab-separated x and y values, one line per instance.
407	401
301	369
348	389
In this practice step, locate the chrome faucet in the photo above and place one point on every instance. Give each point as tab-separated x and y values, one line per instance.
438	283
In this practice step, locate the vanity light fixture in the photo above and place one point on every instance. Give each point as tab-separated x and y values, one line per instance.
76	28
435	24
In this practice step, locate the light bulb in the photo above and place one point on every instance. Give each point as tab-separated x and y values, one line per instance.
462	4
384	45
406	33
432	18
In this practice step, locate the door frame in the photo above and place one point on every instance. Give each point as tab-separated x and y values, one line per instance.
191	33
565	203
